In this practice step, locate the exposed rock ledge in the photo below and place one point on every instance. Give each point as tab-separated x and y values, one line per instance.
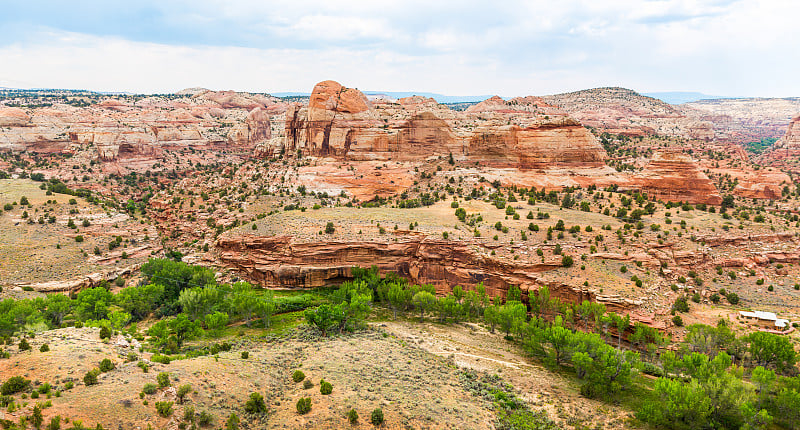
281	261
88	281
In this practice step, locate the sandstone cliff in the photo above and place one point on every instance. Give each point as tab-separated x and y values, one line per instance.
674	176
284	261
341	122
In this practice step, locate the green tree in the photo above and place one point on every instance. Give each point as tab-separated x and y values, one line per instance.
92	303
216	321
424	302
606	371
398	297
140	301
183	391
265	307
770	350
175	276
197	302
119	319
560	340
243	301
58	306
512	315
677	405
183	329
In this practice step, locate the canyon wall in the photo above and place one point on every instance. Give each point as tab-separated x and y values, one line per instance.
283	261
340	122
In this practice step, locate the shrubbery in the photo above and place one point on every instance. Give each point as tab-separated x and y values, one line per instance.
255	404
14	384
376	418
325	387
303	405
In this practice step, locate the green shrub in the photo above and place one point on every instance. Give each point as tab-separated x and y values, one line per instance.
14	385
681	305
183	390
164	408
163	379
205	418
352	416
303	405
733	298
377	417
91	377
307	384
69	385
298	376
325	387
255	405
188	414
245	355
677	320
232	423
105	332
149	388
106	365
44	348
24	345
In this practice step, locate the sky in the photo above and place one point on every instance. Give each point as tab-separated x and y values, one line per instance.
464	47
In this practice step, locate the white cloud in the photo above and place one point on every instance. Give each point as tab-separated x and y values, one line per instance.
736	47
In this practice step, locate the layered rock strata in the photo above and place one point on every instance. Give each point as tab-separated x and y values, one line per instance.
283	261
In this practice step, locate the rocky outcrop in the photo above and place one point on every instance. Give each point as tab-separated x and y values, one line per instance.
283	261
626	112
787	147
762	184
139	133
13	117
74	285
727	240
341	122
254	130
674	176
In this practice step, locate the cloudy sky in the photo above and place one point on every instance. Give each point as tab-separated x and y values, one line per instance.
506	47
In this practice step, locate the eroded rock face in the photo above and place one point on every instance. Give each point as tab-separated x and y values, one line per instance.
282	261
13	117
787	147
341	122
254	130
674	176
623	111
138	133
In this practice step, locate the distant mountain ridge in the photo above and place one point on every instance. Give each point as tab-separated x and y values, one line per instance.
680	97
441	98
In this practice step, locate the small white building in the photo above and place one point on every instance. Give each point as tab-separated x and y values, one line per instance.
765	319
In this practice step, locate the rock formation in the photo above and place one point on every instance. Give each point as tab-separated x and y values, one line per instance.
254	130
788	146
623	111
13	117
341	122
140	132
674	176
284	261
